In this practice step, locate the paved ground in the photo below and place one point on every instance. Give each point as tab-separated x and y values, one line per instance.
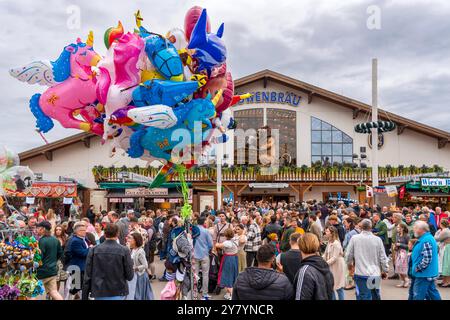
389	291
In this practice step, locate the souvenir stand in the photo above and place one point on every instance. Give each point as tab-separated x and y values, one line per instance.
20	257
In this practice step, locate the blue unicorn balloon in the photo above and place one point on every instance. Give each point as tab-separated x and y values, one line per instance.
161	142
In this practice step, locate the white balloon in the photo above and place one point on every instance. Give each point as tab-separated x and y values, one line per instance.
158	116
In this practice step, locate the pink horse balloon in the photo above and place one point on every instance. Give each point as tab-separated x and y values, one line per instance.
119	74
72	88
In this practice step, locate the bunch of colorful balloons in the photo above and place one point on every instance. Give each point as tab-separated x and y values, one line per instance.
13	177
154	96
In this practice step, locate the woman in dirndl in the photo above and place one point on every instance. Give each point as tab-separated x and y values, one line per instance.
229	264
401	255
442	236
241	239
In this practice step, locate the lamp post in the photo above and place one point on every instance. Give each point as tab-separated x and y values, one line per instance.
374	130
219	157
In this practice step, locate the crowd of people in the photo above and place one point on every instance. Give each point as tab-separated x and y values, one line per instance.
302	251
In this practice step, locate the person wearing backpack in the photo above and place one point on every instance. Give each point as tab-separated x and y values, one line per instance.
150	246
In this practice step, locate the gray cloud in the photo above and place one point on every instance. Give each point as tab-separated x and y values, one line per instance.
323	42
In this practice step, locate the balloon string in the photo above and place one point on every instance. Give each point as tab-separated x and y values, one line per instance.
186	209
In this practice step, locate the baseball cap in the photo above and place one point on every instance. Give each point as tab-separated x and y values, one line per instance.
45	224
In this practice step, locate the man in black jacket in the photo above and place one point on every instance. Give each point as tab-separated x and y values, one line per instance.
108	268
262	282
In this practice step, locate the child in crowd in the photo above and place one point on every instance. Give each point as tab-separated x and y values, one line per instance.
273	237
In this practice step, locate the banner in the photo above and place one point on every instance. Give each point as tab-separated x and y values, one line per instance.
48	190
391	191
369	192
145	192
67	200
30	200
402	192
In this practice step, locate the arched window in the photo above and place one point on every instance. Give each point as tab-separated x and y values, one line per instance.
329	144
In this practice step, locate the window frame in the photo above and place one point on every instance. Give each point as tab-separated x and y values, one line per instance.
332	145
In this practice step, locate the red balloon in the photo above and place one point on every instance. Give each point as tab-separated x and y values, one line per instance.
224	82
191	19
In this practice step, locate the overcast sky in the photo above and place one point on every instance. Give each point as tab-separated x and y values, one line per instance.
326	43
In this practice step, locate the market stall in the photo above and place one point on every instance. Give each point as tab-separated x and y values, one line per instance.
20	257
56	195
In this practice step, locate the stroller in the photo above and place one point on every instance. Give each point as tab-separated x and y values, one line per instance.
214	266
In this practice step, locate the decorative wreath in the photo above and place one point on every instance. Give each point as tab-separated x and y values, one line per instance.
382	126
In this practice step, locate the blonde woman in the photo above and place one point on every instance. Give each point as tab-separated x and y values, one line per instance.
334	256
51	217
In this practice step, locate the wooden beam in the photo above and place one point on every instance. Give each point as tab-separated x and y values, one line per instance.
48	155
401	128
87	142
293	188
442	143
356	113
310	97
241	189
228	188
265	82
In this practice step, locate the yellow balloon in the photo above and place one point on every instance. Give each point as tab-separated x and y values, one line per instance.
150	75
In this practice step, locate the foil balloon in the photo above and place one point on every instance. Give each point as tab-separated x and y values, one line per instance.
119	138
72	87
163	92
177	38
120	73
158	116
190	20
161	142
112	34
164	57
8	158
16	179
222	82
210	50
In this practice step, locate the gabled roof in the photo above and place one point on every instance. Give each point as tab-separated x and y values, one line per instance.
357	106
268	75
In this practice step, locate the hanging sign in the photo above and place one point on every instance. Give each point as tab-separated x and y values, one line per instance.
143	192
435	182
391	191
288	98
67	200
369	192
30	200
49	190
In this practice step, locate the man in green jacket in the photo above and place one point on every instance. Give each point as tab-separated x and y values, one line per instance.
290	225
381	230
51	252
